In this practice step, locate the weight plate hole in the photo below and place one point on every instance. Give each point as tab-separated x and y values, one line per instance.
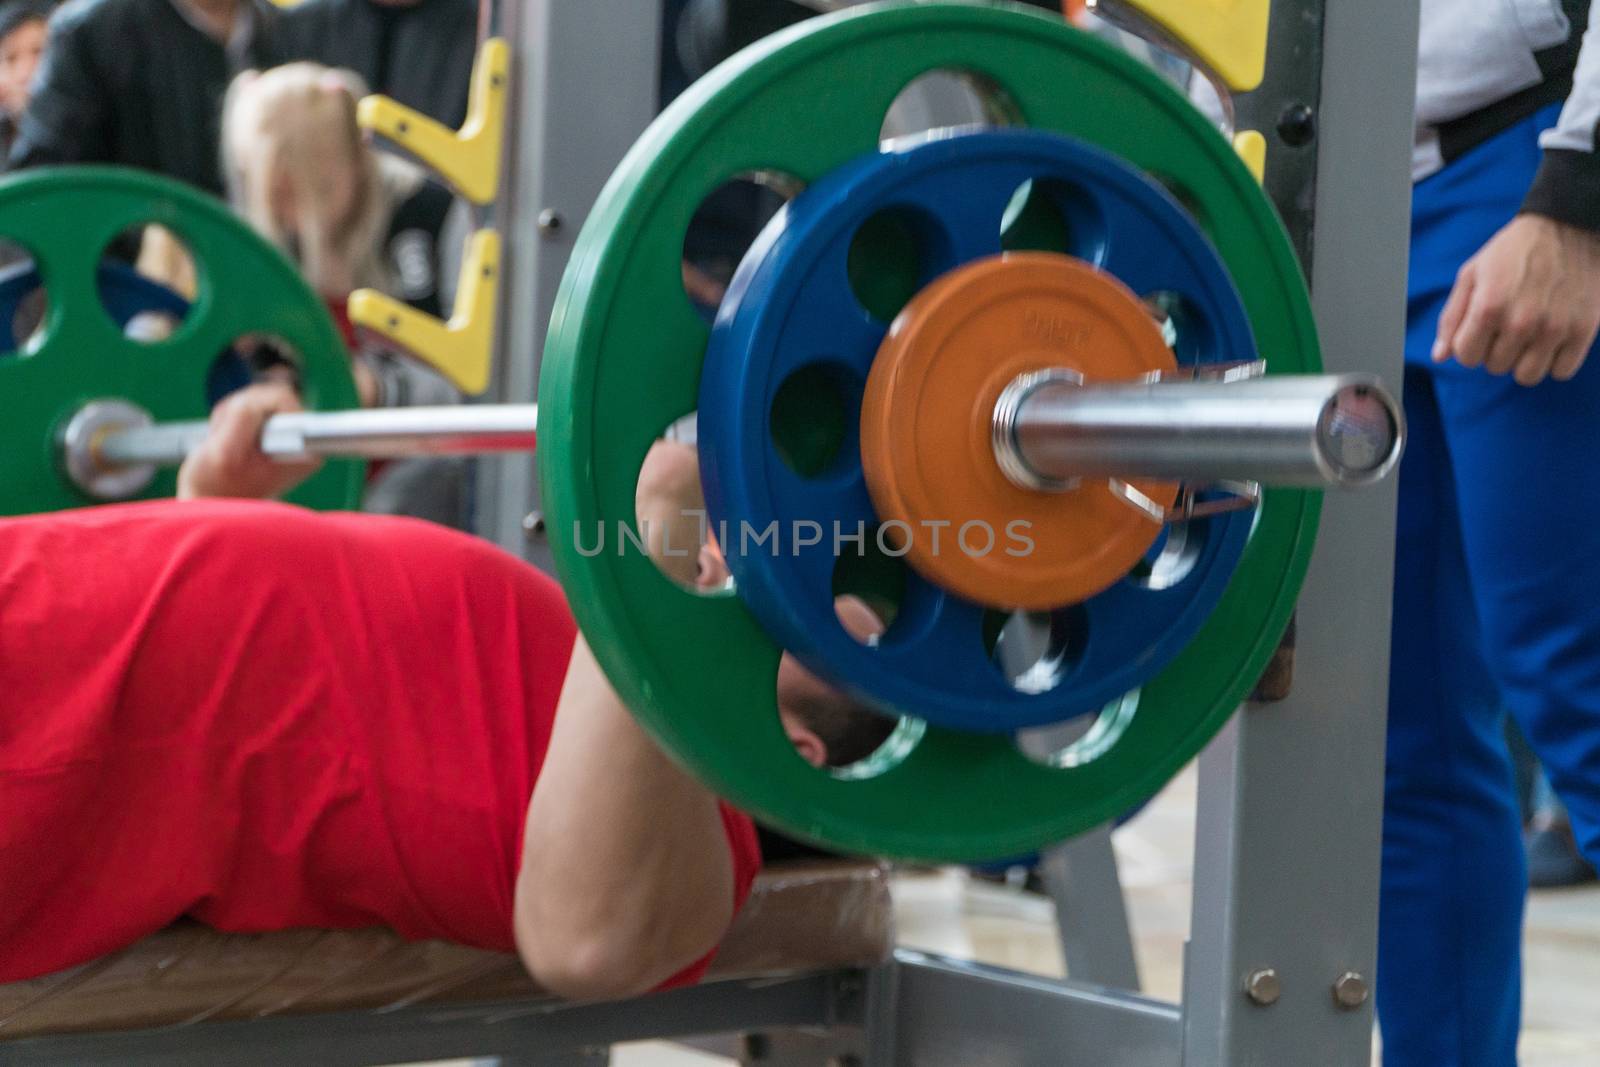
1082	739
1184	326
254	357
724	227
903	737
1050	215
945	99
25	301
892	256
1186	199
670	517
835	732
1173	556
1036	650
161	255
816	417
870	579
829	728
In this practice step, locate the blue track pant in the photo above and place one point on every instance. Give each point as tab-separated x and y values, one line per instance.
1497	605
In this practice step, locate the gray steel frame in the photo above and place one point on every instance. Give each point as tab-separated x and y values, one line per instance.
1291	796
1085	886
1291	793
584	86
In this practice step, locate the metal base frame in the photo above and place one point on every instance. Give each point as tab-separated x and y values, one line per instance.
1085	886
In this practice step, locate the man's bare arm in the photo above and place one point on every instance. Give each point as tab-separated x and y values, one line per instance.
626	874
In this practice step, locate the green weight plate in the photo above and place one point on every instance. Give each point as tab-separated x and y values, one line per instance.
65	218
623	360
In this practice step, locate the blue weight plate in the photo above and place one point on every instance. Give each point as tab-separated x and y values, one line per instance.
866	236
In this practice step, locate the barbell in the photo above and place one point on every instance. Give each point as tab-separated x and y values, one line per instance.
962	333
1314	431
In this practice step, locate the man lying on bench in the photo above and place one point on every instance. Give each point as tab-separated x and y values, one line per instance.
264	717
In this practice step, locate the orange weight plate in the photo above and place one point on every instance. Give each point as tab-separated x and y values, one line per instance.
927	417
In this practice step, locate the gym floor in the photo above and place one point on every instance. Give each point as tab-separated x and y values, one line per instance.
946	912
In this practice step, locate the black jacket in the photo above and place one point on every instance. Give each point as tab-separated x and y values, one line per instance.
133	82
420	55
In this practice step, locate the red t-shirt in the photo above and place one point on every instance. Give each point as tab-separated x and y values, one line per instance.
264	717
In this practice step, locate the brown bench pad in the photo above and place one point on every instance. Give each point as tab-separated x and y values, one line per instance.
800	917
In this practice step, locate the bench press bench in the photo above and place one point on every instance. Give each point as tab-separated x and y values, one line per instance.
192	995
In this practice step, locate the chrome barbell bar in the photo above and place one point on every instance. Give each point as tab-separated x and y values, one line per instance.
111	449
378	433
1317	431
1051	430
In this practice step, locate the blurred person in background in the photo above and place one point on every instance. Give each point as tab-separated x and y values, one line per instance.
300	172
418	52
140	83
24	27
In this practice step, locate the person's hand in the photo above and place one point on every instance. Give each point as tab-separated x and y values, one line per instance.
230	461
1528	304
